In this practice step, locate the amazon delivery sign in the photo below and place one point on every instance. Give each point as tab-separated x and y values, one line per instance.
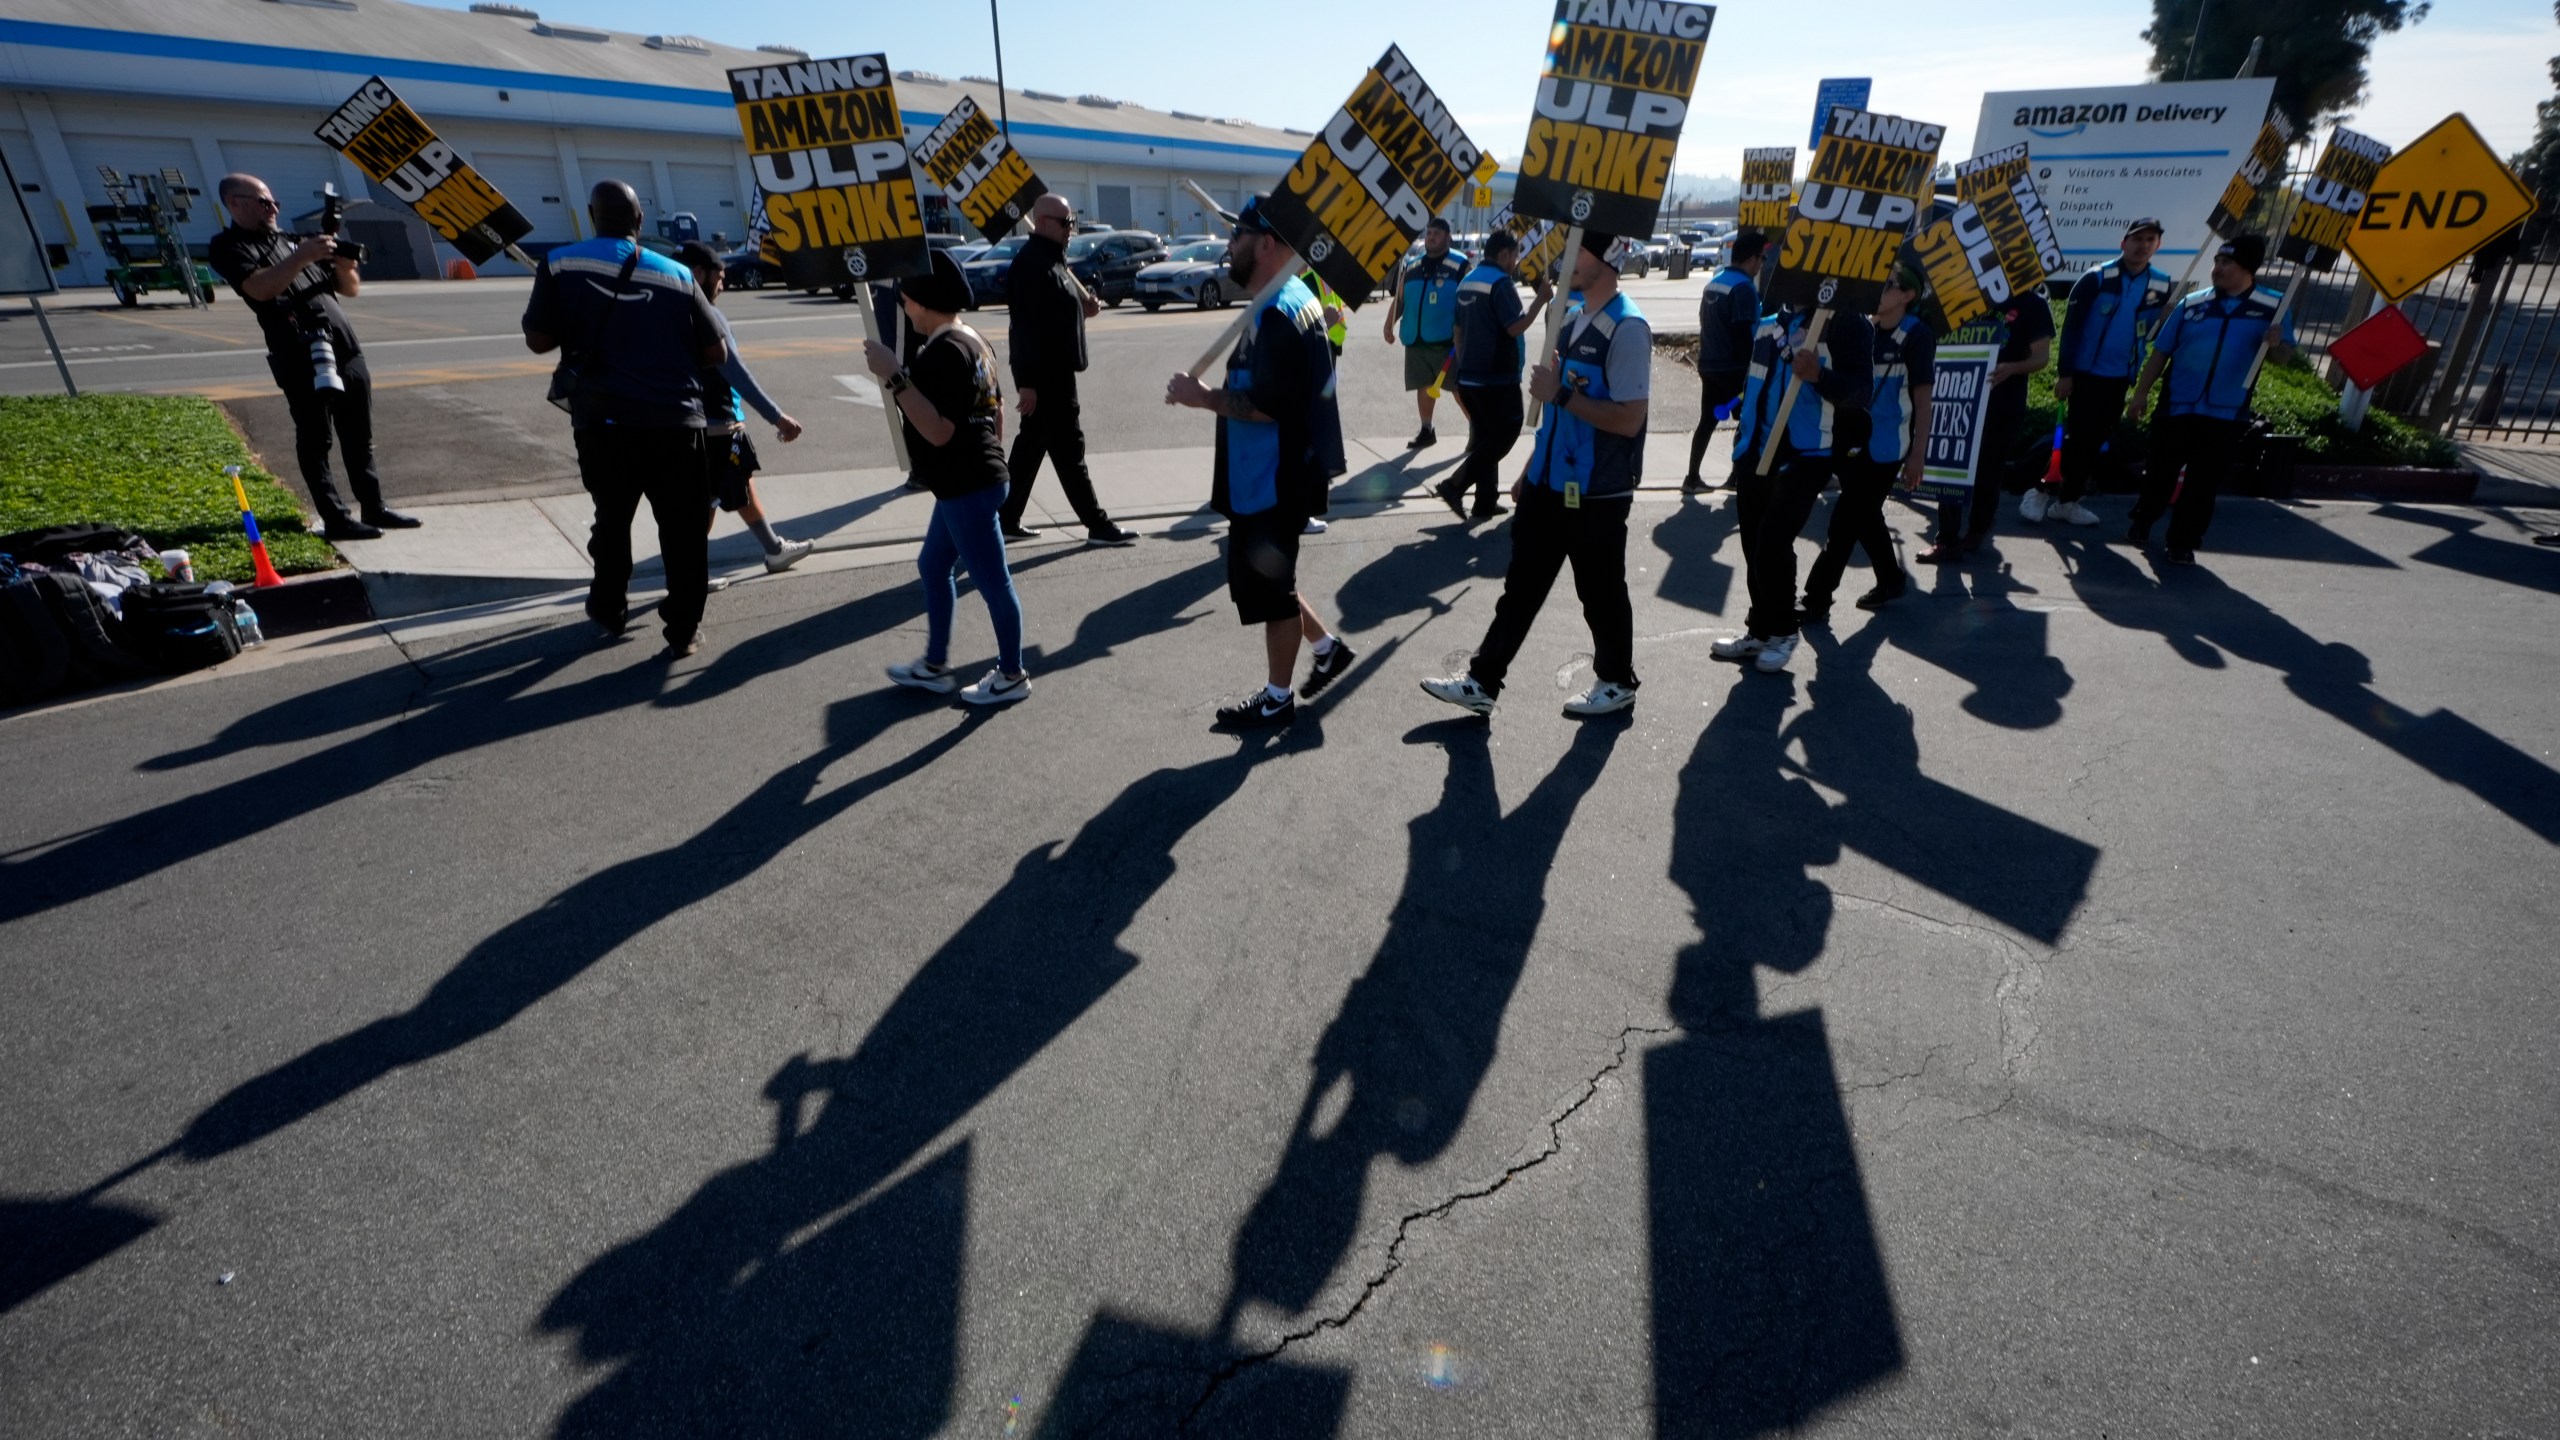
2105	157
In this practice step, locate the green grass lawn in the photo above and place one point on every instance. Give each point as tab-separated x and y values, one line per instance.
153	465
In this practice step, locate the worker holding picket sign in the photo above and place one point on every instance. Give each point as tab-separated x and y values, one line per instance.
2210	346
2114	307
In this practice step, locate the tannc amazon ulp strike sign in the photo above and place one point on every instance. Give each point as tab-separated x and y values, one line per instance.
1364	188
397	151
1615	93
830	155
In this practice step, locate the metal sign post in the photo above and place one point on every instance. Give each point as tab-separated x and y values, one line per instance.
23	270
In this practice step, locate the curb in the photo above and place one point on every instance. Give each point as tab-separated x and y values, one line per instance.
304	603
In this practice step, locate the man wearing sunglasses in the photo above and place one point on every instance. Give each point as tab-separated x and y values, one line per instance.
292	283
1046	308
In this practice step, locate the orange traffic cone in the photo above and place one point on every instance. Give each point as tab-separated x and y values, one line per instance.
249	522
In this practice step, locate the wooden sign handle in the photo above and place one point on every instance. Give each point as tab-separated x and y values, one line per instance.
1787	402
888	402
1564	287
2275	327
1235	328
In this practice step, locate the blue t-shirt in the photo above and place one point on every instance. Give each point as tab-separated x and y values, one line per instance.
640	353
2212	340
1430	291
1488	306
1285	363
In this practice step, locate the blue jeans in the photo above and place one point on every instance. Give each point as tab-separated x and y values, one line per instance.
965	531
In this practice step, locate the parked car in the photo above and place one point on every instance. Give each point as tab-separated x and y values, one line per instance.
1108	264
987	272
1093	227
1178	241
747	270
1193	274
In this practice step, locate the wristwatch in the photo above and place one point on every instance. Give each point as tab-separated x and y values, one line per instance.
900	382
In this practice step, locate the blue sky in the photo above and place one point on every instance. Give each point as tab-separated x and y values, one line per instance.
1930	62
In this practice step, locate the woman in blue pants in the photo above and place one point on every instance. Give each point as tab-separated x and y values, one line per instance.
953	411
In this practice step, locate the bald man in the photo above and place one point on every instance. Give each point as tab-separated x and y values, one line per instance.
1047	309
639	333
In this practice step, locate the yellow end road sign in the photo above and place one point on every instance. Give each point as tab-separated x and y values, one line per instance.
2437	200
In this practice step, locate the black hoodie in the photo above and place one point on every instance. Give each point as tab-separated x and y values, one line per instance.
1047	308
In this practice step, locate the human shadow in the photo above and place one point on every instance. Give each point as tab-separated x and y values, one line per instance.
1986	639
1769	1294
1408	577
1688	539
1391	479
532	957
2465	549
727	1317
1151	609
1393	1077
2201	618
1769	1298
44	1242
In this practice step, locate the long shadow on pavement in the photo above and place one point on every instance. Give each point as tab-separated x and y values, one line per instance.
2201	617
2463	548
1394	1076
500	979
1769	1294
724	1319
1689	537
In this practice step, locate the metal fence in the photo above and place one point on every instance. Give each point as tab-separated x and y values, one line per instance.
2492	323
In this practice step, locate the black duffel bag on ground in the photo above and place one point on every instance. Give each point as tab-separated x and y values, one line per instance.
179	627
52	544
56	635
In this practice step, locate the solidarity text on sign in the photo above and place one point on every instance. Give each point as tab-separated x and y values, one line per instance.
977	167
830	154
1611	102
397	151
1768	187
2332	198
2262	168
1846	228
1959	399
1366	186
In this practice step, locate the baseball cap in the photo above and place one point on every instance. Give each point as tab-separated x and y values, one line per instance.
2145	223
1255	218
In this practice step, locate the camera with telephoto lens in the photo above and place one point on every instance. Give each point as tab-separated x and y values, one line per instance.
333	208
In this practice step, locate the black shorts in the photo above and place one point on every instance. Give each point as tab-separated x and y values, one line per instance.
1262	566
729	462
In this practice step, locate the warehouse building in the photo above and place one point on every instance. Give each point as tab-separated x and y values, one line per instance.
543	107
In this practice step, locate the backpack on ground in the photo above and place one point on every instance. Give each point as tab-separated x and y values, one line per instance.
180	627
50	544
89	628
35	657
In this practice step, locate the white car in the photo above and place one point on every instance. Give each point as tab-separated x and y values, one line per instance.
1194	274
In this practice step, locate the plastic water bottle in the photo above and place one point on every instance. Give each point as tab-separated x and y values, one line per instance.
250	635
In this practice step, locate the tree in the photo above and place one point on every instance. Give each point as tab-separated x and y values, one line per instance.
2539	164
2315	49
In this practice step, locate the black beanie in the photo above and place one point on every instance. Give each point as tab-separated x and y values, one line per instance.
2248	252
943	289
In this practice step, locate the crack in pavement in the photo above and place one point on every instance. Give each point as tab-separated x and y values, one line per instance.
2021	978
1404	1228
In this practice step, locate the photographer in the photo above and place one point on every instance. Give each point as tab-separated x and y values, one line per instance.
292	284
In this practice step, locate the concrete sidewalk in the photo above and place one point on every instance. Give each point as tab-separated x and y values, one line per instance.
486	551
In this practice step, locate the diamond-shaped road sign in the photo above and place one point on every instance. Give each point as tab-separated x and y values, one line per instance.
2437	200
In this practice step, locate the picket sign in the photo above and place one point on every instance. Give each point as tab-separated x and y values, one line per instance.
2275	327
862	322
1564	284
2357	400
1795	382
1228	337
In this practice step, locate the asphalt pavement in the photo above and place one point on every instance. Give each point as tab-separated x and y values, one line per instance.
2083	999
458	402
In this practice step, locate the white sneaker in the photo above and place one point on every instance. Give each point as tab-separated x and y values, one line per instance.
1605	697
791	553
926	676
1775	655
1461	691
715	584
1315	526
1737	647
997	689
2033	504
2075	513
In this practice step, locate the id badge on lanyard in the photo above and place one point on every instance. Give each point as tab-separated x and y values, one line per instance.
1573	494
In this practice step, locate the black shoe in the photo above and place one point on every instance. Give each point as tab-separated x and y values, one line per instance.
1326	669
2553	539
389	519
2138	534
1489	510
1106	533
1813	614
2181	555
612	625
1453	493
1692	485
1945	552
1020	532
915	486
1423	439
347	527
1257	711
678	649
1883	595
